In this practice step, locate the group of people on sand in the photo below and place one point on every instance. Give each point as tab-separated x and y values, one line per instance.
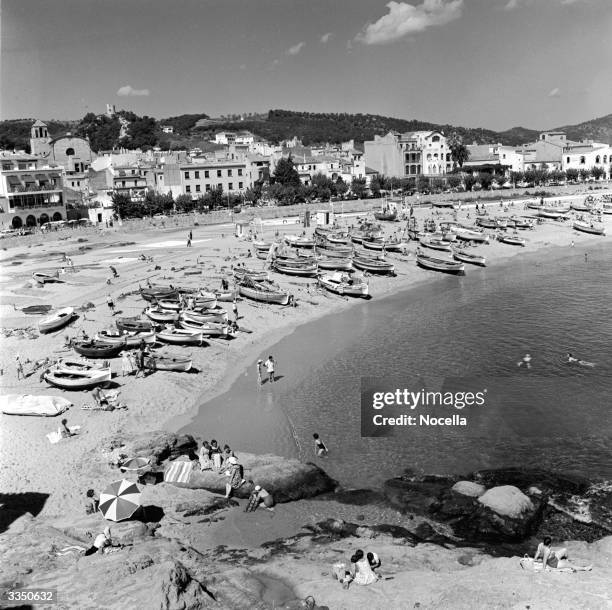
361	569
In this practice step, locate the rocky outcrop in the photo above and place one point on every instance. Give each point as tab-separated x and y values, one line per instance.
469	488
523	478
179	590
286	479
507	501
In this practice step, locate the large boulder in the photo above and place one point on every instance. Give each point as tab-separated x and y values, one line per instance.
507	501
285	478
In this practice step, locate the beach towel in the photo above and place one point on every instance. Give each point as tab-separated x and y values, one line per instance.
56	437
178	472
527	563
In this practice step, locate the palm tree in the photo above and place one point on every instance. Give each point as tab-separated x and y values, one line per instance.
459	152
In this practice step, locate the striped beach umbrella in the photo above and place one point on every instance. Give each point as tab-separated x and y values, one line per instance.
120	500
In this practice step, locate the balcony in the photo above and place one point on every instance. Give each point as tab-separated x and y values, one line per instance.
32	188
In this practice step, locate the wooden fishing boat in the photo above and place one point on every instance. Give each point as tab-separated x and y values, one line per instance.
585	227
435	244
34	310
208	329
522	223
70	365
472	259
338	239
47	278
606	208
262	245
581	207
443	204
181	336
501	221
331	250
261	254
387	216
487	223
135	325
161	315
97	349
373	265
512	240
157	294
125	338
56	320
225	297
78	380
255	274
534	205
289	268
205	302
168	305
264	292
342	284
440	264
550	213
340	264
167	362
470	235
201	317
298	241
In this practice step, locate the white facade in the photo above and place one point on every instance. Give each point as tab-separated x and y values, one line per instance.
588	157
511	157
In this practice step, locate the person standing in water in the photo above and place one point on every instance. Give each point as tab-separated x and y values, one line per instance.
526	361
320	448
270	366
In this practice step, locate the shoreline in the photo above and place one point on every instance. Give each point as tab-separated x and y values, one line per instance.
165	400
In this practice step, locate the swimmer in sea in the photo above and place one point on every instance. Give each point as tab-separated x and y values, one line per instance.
525	361
571	359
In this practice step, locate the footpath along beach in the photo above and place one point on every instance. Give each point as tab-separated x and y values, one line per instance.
29	464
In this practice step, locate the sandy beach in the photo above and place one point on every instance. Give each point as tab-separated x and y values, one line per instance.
29	463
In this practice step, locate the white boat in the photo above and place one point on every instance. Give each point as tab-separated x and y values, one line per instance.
77	380
129	339
208	329
440	264
586	227
219	315
342	284
298	241
373	265
339	264
470	235
169	305
512	240
167	362
181	336
56	320
161	315
435	244
302	269
472	259
607	208
551	212
69	365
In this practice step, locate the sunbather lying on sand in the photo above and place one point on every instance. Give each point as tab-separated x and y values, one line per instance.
556	559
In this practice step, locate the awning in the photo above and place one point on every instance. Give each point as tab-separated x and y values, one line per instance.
13	180
41	177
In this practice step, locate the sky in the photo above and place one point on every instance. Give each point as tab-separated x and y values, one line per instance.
477	63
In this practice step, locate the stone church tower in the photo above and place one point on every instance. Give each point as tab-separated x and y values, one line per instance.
39	140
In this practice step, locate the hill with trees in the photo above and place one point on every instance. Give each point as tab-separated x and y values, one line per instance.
128	130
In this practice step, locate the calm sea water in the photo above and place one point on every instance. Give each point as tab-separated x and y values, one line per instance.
475	327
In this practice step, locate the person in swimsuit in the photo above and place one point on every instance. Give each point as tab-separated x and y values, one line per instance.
558	559
526	361
570	358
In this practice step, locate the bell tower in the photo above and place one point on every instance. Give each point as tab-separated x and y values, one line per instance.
39	139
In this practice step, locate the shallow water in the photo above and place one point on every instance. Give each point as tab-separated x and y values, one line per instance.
475	328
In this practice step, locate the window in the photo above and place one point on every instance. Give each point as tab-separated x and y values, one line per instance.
70	152
218	173
188	189
435	139
229	173
197	188
230	186
123	183
197	175
186	175
597	159
605	160
240	171
582	160
220	186
208	188
206	173
241	185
